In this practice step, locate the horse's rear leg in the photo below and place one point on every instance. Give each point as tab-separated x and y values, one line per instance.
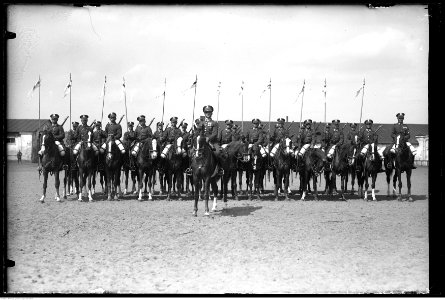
65	181
314	182
374	178
344	184
233	183
126	173
179	183
82	183
197	186
117	186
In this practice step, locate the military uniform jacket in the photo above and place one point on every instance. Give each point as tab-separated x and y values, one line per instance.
99	136
129	137
157	135
142	134
306	136
185	136
326	139
337	137
81	132
368	136
225	136
255	135
169	135
401	129
57	130
72	140
278	134
351	136
114	129
210	130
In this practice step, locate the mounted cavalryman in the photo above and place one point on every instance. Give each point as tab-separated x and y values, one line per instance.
305	138
81	133
114	130
337	139
400	133
59	135
278	135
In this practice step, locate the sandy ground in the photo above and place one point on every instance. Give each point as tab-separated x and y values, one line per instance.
262	246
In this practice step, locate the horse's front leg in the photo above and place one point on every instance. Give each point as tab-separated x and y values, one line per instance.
197	186
179	183
304	177
117	186
57	185
45	184
233	184
140	182
314	181
408	184
90	194
206	195
109	184
286	184
344	184
394	183
366	177
374	178
65	181
81	183
150	185
169	176
399	178
277	181
126	173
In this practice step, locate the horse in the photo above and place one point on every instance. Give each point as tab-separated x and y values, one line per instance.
100	169
128	172
71	174
145	164
203	164
340	166
368	165
401	161
51	163
113	165
352	166
173	167
86	161
229	158
254	171
312	165
282	163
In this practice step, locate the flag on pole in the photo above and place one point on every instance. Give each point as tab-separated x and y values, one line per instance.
219	88
123	85
267	88
358	92
31	92
242	88
301	92
193	85
324	88
103	90
68	88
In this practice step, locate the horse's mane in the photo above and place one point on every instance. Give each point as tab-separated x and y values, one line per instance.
146	147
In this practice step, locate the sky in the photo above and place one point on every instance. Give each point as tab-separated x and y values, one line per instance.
164	48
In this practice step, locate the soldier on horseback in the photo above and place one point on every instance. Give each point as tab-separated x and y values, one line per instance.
99	137
326	137
225	136
169	136
71	140
278	135
59	135
305	138
368	139
256	137
159	129
400	133
236	133
115	130
129	141
81	132
142	134
336	140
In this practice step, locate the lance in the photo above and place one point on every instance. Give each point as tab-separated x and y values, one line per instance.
70	101
268	135
324	100
302	100
163	101
242	106
361	108
39	101
219	92
194	99
103	100
120	119
378	128
151	122
125	101
290	125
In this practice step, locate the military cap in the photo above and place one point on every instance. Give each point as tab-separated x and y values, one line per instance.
280	120
261	125
174	119
207	108
328	125
197	121
229	122
160	124
256	121
400	115
54	116
86	116
140	118
75	123
130	124
112	115
336	122
308	121
98	123
184	125
369	121
353	125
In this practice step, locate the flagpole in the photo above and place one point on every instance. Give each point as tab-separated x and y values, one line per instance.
194	99
103	100
39	101
125	100
270	111
242	108
70	101
163	101
302	100
361	108
325	100
217	113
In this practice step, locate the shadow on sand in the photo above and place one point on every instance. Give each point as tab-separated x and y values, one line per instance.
240	211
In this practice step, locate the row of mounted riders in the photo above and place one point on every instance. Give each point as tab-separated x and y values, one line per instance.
198	158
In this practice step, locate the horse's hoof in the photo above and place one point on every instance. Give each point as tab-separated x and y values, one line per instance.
140	199
410	199
206	214
57	199
276	199
42	200
179	199
195	213
90	200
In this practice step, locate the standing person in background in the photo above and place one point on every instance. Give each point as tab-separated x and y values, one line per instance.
19	157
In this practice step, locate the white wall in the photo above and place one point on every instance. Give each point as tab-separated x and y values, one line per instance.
23	142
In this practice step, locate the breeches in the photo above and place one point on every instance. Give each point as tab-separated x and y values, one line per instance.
103	148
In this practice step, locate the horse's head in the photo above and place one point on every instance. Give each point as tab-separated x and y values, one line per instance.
154	149
318	162
245	152
87	139
109	143
199	143
47	138
351	155
178	144
286	146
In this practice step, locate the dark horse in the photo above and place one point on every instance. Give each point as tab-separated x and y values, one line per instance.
71	178
51	163
145	165
229	158
352	166
113	164
203	164
86	161
368	165
100	169
254	171
312	165
128	172
401	161
340	167
282	163
174	167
